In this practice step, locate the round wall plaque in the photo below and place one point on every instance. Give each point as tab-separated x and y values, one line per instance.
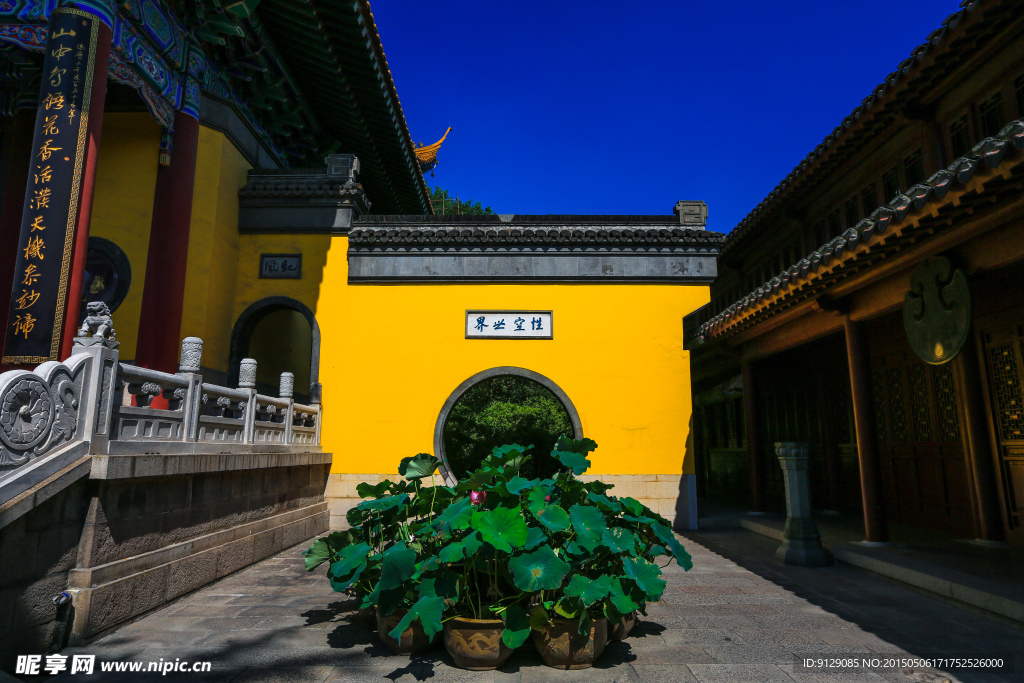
107	274
937	311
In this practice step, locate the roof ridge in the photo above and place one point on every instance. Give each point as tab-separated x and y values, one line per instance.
991	152
827	144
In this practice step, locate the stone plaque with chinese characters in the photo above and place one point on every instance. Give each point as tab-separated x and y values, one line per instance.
53	190
288	266
509	325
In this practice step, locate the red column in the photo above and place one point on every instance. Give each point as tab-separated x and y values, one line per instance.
16	155
92	147
164	292
875	528
750	417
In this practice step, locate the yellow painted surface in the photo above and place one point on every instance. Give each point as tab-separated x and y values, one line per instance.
392	354
123	206
213	247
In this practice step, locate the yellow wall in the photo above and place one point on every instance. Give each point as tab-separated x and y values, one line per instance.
392	354
213	247
281	342
123	206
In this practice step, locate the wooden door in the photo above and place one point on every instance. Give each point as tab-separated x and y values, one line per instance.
1004	360
924	475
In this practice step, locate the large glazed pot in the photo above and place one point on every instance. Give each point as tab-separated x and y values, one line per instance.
413	640
475	644
562	646
621	629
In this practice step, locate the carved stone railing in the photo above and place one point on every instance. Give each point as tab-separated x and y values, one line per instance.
92	404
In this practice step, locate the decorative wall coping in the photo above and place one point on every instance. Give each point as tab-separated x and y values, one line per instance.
992	157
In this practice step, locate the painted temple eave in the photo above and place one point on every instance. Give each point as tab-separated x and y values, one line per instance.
993	169
165	61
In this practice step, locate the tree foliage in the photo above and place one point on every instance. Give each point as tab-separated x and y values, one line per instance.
446	203
505	409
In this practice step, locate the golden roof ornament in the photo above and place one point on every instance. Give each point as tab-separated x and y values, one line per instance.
427	156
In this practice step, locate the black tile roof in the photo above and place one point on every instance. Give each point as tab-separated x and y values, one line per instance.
989	153
945	48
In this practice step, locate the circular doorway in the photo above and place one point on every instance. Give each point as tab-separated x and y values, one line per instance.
499	406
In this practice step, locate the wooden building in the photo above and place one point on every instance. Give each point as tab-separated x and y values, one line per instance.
873	304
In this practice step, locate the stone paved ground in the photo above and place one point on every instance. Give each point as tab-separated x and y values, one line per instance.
735	617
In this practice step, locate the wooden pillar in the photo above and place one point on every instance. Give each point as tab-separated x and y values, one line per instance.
42	315
750	418
875	528
978	451
16	154
92	149
164	292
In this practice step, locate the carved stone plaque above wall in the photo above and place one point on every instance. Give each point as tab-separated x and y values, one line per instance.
281	266
509	325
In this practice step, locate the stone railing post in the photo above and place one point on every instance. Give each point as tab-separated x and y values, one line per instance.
801	543
98	394
286	389
247	381
190	365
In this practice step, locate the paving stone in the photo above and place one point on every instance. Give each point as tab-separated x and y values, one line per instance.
719	622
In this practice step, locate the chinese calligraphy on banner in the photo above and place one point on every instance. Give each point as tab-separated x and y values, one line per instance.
43	267
509	325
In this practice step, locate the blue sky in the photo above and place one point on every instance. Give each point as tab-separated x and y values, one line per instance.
601	107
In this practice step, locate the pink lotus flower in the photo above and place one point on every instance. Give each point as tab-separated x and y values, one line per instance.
547	498
477	497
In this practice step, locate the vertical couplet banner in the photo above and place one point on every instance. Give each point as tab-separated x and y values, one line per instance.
53	190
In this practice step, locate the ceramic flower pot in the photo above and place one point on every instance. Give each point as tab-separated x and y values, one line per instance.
620	630
413	640
561	646
475	644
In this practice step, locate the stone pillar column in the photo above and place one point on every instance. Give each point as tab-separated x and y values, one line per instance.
753	438
801	543
988	520
875	529
163	294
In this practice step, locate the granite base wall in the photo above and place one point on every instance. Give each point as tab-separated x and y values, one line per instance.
673	496
123	547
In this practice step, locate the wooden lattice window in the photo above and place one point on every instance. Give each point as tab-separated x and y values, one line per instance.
1007	390
946	402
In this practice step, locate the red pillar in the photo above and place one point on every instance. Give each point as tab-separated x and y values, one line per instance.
755	463
17	152
875	528
97	100
164	292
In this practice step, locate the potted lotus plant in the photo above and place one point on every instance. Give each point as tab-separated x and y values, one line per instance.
379	557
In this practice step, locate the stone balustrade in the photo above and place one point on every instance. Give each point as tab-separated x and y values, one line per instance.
93	404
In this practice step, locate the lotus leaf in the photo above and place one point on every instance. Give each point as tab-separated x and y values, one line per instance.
589	525
324	549
604	503
347	568
539	570
503	528
534	537
387	503
445	585
552	516
399	564
619	540
647	576
574	461
428	611
581	446
373	490
624	598
665	535
418	466
516	484
587	590
456	516
517	626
